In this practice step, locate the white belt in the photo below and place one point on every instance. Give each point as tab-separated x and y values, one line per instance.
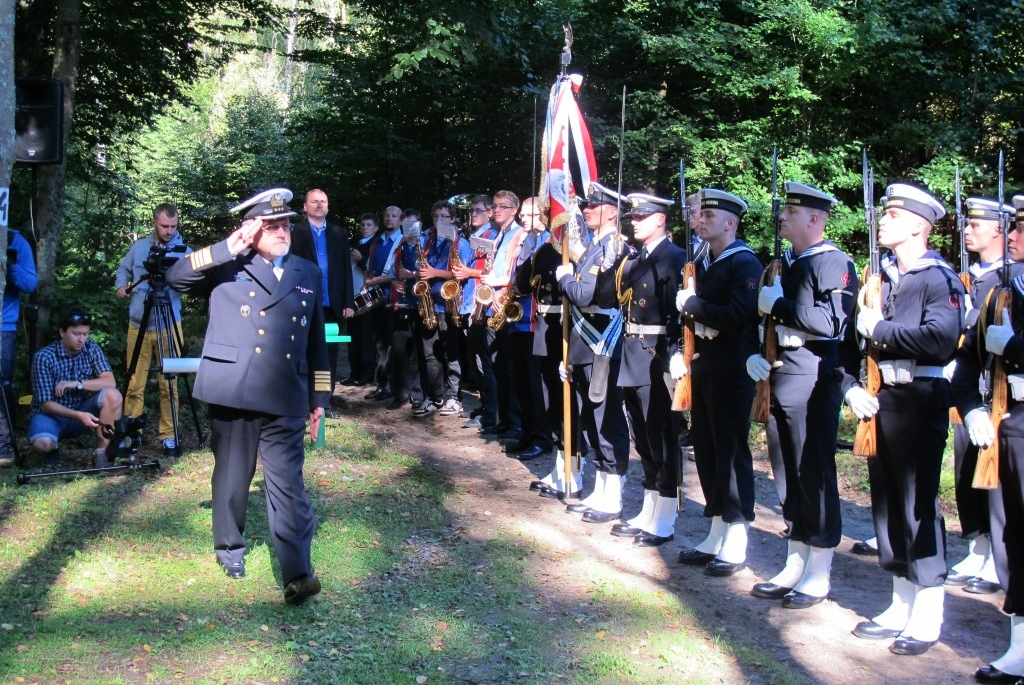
928	372
792	337
638	329
1016	382
902	371
549	308
598	310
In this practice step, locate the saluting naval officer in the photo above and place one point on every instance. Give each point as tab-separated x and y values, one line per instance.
915	332
595	348
1006	504
723	306
647	284
810	305
263	372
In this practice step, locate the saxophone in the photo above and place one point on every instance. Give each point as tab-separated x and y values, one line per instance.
421	289
506	308
451	291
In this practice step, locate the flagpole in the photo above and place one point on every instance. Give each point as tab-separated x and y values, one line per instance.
567	436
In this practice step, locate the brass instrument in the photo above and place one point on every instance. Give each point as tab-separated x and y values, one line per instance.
421	289
506	308
483	296
451	291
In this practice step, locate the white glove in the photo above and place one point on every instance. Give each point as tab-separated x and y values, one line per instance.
758	367
677	367
948	370
867	319
863	404
768	295
563	372
706	332
979	427
686	293
563	270
997	335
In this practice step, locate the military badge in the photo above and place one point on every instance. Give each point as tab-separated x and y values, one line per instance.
303	321
244	310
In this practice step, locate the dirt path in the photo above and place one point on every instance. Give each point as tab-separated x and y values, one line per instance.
492	497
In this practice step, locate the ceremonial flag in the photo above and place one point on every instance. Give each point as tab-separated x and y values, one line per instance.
567	147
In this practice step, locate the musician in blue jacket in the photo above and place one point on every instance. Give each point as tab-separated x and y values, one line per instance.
264	372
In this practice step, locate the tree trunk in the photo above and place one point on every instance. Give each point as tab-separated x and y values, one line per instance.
51	191
7	104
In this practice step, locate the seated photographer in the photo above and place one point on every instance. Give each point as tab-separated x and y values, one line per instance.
139	274
73	391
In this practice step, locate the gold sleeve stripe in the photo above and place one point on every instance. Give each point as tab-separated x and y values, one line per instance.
201	259
322	386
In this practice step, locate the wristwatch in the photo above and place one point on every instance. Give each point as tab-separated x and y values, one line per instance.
79	386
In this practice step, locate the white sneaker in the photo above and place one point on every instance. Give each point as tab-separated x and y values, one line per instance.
451	407
426	409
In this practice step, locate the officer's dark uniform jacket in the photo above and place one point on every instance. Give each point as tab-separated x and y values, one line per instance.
819	292
265	349
648	287
727	302
594	286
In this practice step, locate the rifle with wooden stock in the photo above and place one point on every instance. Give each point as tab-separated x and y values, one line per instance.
682	396
865	443
986	473
760	410
965	274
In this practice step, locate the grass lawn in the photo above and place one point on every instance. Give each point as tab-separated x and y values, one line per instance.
113	580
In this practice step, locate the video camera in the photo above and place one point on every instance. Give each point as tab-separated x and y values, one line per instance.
159	260
126	434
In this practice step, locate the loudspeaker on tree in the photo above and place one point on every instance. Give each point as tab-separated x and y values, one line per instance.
38	121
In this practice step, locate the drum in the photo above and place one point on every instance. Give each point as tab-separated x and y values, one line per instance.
368	298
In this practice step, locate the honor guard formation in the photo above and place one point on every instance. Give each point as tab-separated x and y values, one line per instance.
582	338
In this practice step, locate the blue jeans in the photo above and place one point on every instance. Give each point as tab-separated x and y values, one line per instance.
42	425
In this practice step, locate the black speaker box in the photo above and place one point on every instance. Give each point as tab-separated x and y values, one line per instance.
38	121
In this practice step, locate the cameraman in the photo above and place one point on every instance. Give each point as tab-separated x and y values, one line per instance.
165	240
21	278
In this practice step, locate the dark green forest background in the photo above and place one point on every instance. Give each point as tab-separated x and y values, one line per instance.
201	102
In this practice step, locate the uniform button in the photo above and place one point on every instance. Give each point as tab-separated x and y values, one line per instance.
263	313
294	319
261	331
293	337
303	303
258	350
288	356
252	293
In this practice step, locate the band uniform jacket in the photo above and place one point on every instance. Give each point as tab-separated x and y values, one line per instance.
726	301
265	348
647	290
594	286
820	290
339	271
547	332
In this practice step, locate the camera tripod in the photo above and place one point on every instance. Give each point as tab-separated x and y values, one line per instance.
169	343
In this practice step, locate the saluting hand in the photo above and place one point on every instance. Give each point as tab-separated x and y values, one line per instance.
242	238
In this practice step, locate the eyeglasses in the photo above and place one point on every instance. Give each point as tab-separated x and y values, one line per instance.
78	320
478	211
286	228
505	207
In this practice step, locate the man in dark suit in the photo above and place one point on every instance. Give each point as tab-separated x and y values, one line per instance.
264	366
326	245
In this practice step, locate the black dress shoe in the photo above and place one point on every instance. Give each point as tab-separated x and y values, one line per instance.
531	453
578	508
551	493
977	586
800	600
645	539
394	404
595	516
958	579
864	549
624	530
993	676
722	569
770	591
493	428
234	571
385	395
537	484
298	591
517	446
694	557
372	395
869	630
908	646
